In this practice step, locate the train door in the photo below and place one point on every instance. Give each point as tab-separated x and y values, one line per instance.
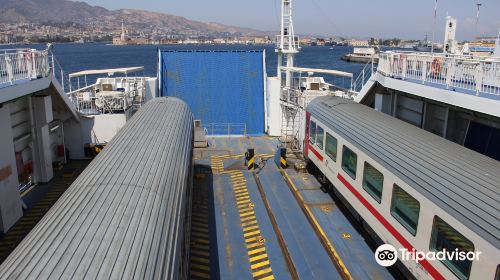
306	138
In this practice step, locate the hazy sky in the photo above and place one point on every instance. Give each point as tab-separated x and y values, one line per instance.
363	18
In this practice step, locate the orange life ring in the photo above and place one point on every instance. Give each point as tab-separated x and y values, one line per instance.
436	67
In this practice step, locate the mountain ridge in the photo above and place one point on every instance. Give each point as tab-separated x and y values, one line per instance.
39	11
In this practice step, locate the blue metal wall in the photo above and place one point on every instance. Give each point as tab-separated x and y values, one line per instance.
218	86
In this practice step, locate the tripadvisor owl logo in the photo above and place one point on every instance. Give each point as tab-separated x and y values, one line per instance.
386	255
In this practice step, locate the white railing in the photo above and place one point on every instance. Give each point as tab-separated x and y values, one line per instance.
58	73
91	100
481	76
289	43
363	76
226	129
23	65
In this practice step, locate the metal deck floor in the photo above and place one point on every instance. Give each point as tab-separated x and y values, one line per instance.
269	224
38	200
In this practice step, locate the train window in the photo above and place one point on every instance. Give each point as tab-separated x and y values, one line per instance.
312	132
444	237
405	209
373	182
320	135
331	146
349	162
497	275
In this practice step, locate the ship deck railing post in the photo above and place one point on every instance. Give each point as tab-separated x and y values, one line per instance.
8	66
62	79
479	78
363	73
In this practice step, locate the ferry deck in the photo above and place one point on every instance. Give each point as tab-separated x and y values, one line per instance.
269	223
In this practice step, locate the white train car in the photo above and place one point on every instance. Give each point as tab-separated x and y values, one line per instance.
415	190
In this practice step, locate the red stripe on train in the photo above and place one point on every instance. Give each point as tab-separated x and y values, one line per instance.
425	264
318	155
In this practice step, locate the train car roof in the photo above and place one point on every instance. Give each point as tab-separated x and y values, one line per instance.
123	217
462	182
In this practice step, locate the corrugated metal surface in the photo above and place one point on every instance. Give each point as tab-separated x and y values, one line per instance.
124	216
219	86
462	182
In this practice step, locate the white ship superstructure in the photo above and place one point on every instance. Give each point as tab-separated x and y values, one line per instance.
34	110
48	117
449	94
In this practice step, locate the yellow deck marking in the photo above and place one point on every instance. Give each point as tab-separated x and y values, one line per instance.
243	201
253	245
198	234
245	229
256	249
200	229
251	233
199	253
200	267
198	224
260	264
245	224
246	219
270	277
258	257
261	272
201	260
245	210
320	229
247	214
200	274
242	196
202	241
244	207
239	191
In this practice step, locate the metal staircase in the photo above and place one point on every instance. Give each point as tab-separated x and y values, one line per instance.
362	84
291	117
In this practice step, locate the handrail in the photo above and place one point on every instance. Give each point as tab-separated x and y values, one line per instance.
7	51
59	74
363	76
481	76
226	129
89	101
23	65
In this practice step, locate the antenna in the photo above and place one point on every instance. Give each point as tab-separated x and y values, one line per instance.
477	18
434	27
287	42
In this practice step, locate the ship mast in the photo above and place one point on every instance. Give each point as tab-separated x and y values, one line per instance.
287	44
